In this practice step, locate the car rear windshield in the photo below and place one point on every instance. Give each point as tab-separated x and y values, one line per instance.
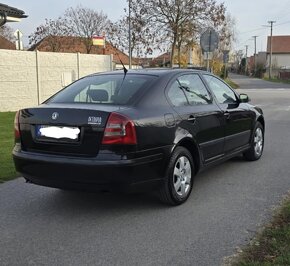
113	89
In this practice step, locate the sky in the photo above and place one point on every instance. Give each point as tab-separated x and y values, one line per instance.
251	16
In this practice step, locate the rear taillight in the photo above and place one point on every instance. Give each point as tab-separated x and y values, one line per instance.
16	127
119	130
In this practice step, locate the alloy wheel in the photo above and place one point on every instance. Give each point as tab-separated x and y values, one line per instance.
258	141
182	176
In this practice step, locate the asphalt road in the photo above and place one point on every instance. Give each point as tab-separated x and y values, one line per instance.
229	202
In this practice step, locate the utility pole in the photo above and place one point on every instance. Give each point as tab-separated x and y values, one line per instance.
130	48
246	67
255	59
271	22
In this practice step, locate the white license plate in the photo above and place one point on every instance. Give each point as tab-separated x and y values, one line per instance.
57	132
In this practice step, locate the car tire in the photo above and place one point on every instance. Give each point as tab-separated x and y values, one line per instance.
178	181
257	144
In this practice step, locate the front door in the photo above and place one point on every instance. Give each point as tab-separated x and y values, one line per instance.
237	116
198	114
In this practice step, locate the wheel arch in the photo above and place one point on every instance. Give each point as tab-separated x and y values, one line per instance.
192	147
262	121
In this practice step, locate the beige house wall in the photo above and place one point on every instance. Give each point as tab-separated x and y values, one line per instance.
29	78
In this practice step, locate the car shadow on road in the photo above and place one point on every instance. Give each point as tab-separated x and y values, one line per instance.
82	201
55	203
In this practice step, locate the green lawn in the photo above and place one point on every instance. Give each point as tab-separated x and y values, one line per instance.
272	246
7	170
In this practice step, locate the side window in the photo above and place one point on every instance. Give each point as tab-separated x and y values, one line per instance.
194	89
176	95
222	92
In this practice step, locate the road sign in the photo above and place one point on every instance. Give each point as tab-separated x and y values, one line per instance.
18	34
208	56
99	40
226	56
209	40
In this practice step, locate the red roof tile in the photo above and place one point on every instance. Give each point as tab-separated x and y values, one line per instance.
280	44
70	44
6	44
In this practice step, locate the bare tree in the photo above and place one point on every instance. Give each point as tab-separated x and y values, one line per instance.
227	32
80	22
50	31
7	32
174	19
84	22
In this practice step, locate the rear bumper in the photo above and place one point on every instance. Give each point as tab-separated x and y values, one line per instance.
90	173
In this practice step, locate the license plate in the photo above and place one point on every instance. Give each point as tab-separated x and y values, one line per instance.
57	132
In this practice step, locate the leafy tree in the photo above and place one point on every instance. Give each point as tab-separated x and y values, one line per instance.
177	20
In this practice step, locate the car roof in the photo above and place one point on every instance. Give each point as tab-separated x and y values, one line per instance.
153	71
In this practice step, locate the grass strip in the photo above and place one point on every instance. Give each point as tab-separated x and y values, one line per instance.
272	245
7	170
285	81
231	83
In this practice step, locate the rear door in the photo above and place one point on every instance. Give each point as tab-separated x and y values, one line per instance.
197	113
237	117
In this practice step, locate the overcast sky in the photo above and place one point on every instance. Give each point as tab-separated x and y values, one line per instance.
250	16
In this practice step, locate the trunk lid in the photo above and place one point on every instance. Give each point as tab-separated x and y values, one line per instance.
64	129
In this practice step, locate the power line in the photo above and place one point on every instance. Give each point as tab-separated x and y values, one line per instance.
258	29
282	23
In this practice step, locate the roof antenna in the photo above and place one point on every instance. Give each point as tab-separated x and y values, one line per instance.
125	72
124	68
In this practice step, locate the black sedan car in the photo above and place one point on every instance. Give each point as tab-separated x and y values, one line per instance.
145	129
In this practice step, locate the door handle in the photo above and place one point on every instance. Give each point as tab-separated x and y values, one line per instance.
227	114
191	118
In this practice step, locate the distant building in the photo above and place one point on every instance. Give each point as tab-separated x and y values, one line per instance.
6	44
162	60
280	54
70	44
191	56
261	58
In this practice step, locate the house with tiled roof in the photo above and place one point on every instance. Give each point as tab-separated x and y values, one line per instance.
280	51
70	44
6	44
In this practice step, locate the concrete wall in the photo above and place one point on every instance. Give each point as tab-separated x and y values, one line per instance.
29	78
281	60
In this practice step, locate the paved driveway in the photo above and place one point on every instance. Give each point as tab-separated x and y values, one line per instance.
43	226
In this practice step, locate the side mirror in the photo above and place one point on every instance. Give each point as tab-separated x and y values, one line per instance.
244	98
